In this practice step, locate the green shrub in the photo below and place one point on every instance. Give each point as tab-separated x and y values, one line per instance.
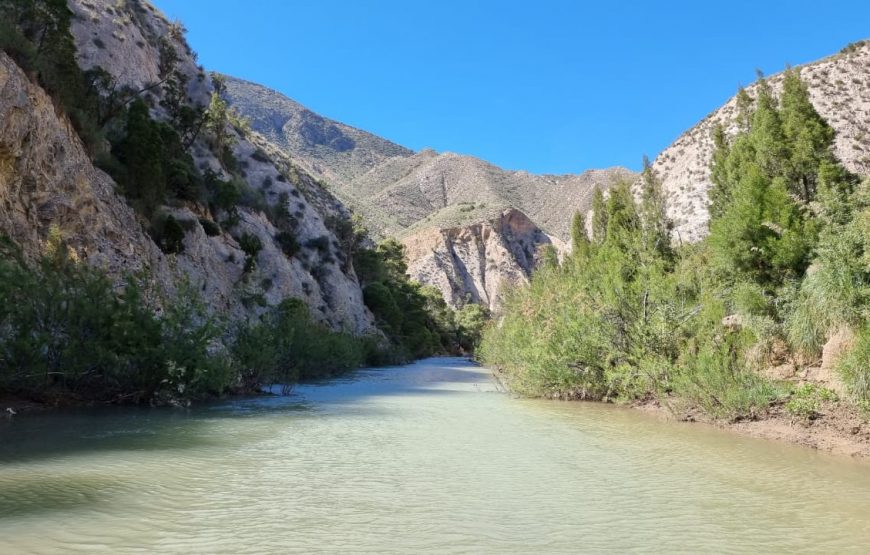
806	400
65	332
251	245
288	243
854	367
209	227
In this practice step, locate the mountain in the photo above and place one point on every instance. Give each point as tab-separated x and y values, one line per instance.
327	149
419	196
839	88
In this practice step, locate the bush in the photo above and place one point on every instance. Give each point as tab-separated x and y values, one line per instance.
209	227
251	245
288	243
286	346
320	244
168	233
854	368
806	401
65	332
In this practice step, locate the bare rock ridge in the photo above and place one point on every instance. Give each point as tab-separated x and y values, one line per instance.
327	149
839	88
49	185
427	195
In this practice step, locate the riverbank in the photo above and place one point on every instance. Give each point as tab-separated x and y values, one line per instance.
835	427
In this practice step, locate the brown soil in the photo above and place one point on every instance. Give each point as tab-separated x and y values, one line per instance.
838	428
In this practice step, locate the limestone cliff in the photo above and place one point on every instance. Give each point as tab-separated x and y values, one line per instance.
478	262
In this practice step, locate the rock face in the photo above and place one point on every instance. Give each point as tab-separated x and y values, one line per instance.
477	262
839	88
47	181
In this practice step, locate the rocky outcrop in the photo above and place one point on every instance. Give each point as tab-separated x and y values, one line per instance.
48	182
839	88
478	262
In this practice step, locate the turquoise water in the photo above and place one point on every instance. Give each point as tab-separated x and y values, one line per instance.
427	458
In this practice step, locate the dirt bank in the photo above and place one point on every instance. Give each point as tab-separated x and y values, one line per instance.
838	427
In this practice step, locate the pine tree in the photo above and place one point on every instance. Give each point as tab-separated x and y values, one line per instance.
599	217
579	240
655	224
142	153
810	138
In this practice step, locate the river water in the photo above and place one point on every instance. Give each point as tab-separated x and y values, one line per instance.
426	458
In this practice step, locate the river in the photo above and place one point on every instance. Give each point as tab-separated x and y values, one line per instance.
426	458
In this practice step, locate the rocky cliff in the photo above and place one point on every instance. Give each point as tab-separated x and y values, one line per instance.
477	262
839	88
48	182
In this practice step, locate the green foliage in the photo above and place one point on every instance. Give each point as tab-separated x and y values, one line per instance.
604	328
209	227
599	217
65	331
154	165
579	239
806	400
286	346
854	367
168	234
251	245
415	318
470	321
638	317
288	243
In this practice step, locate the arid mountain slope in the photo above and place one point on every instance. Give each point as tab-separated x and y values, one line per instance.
48	185
396	190
448	190
839	89
327	149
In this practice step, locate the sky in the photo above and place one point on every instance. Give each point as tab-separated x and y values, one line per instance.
547	86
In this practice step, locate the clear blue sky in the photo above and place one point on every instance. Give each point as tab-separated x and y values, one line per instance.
545	86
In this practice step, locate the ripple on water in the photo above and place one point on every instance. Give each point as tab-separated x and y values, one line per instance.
419	459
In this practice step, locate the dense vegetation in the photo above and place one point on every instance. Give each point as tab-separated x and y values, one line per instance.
415	317
66	333
785	266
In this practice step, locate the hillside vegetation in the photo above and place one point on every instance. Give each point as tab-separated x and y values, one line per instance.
839	88
783	270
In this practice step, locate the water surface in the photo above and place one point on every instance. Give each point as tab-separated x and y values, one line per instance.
427	458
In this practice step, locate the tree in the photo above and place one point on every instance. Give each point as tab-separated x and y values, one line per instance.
141	151
599	217
810	138
655	224
579	240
